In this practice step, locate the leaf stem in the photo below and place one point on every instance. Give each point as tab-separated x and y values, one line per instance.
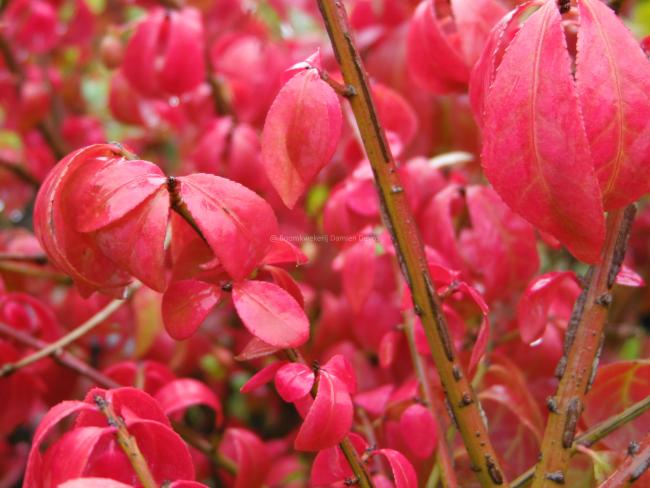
128	443
598	432
57	346
398	219
582	346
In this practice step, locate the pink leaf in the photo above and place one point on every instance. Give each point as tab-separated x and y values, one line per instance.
112	188
250	454
330	465
330	417
433	61
262	377
47	424
236	222
474	19
93	483
179	395
419	430
186	304
628	277
285	281
300	134
358	274
613	81
136	241
535	150
534	305
403	472
256	348
270	313
339	366
293	381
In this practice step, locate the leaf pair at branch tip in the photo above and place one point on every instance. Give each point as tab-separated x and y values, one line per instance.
560	151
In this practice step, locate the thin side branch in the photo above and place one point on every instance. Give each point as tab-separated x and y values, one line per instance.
58	346
583	344
598	432
397	217
633	467
128	443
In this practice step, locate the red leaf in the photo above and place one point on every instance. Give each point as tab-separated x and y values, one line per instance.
250	454
262	377
330	417
419	430
186	304
330	465
236	222
403	472
374	401
535	304
339	366
358	273
48	422
256	348
500	245
293	381
616	387
136	241
67	458
300	135
628	277
93	483
112	188
270	313
474	19
131	404
285	281
433	61
179	395
165	55
535	150
613	82
74	253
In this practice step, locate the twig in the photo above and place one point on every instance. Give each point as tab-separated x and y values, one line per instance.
75	364
35	271
583	343
445	462
632	468
63	357
128	443
598	432
356	464
20	172
70	337
400	222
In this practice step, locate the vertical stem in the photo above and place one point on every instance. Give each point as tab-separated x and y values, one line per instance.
582	346
128	444
444	461
397	217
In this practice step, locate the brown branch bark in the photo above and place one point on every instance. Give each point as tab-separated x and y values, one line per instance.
598	432
128	443
58	346
633	467
397	217
582	346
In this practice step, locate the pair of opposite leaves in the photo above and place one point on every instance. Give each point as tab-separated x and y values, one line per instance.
561	145
102	218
